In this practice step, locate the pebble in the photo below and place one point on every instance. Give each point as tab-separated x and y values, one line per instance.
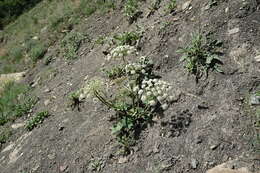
255	100
194	163
233	31
122	160
63	168
186	5
47	102
257	58
213	147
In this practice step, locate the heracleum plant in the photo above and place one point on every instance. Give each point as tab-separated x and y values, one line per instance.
136	99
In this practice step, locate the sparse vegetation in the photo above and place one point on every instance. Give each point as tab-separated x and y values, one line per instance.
15	102
37	52
127	38
36	120
96	165
200	56
114	72
4	135
172	6
139	97
131	10
75	100
71	43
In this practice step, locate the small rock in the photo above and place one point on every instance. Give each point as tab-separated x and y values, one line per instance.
203	105
47	90
255	99
194	163
213	147
156	148
257	58
47	102
35	38
233	31
51	156
63	168
61	128
185	5
18	125
122	160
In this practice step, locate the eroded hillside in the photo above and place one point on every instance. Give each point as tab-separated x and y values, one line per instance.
213	114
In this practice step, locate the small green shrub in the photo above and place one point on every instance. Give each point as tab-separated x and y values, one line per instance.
172	6
131	10
200	56
114	72
16	54
75	100
4	135
36	120
71	43
127	38
88	7
14	102
37	52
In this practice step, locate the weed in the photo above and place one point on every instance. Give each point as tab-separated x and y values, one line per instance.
4	135
36	120
200	56
115	72
71	43
101	40
37	52
75	100
139	96
16	54
48	60
14	102
96	164
172	6
155	5
164	26
131	10
127	38
88	7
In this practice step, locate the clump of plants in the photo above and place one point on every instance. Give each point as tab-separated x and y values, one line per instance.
171	8
36	120
71	43
115	72
75	100
131	10
15	102
120	52
200	56
127	38
138	97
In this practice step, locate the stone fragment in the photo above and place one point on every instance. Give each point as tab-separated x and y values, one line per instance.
233	31
122	160
257	58
186	5
255	99
194	163
17	125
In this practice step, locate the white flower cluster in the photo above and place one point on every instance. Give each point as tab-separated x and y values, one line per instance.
90	87
120	52
153	92
141	67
